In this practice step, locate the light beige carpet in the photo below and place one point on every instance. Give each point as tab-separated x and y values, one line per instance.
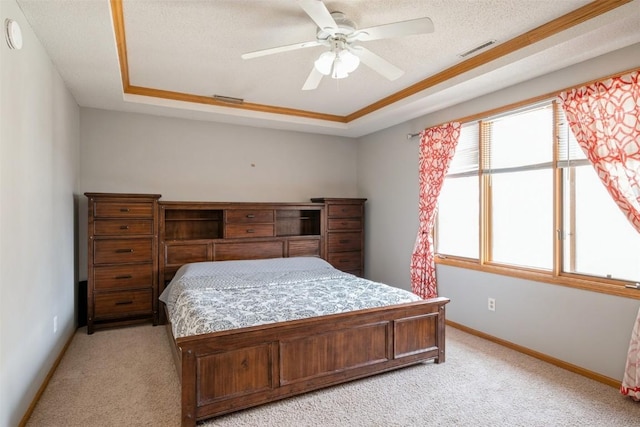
126	377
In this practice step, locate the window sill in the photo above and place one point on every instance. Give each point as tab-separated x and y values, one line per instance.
609	287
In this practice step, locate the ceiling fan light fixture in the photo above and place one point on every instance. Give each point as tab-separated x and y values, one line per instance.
324	63
338	71
348	60
341	35
337	65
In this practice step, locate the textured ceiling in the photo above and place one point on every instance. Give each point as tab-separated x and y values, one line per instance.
194	47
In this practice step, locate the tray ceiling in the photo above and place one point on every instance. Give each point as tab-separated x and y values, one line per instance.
170	57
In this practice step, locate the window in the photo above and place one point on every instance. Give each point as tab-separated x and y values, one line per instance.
458	226
520	196
519	173
598	240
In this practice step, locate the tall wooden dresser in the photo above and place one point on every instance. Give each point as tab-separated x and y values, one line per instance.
122	282
344	233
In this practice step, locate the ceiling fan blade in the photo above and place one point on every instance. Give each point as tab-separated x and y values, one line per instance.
279	49
313	80
317	11
396	29
376	63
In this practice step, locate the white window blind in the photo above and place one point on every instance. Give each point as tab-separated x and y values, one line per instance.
466	159
513	142
569	151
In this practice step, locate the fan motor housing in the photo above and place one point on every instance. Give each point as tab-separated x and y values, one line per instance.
345	27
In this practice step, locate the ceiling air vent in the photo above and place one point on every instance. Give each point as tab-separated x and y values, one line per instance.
228	99
475	49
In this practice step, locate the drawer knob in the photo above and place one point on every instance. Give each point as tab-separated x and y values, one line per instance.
123	251
124	227
251	216
124	276
124	302
124	209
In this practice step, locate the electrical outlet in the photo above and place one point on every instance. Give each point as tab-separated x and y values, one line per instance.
492	304
55	324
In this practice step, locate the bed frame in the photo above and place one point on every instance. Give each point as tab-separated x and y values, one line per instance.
226	371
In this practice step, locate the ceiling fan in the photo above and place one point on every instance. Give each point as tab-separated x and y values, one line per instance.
341	36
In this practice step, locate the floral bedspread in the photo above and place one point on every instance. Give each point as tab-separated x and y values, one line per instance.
211	297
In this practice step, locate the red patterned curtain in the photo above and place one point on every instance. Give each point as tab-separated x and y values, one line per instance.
631	381
605	119
437	146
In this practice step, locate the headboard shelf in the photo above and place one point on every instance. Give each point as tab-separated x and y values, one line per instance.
192	224
215	231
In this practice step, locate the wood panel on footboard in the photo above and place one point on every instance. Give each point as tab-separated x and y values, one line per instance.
227	371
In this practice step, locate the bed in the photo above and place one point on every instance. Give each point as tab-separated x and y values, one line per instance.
245	333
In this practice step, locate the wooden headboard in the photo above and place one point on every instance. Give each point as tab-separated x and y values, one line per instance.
203	231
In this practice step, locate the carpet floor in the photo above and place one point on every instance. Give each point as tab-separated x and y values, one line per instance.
126	377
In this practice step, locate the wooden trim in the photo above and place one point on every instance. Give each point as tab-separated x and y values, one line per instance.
556	277
208	100
540	356
558	195
128	88
586	283
45	383
547	96
569	20
121	41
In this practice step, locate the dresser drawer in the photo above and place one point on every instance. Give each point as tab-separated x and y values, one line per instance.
249	215
104	209
122	227
110	304
348	261
344	242
233	231
346	211
115	251
123	276
344	224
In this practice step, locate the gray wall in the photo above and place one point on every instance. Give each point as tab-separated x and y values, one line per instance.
188	160
587	329
43	249
39	151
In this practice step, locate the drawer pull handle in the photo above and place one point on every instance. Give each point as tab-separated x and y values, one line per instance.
124	276
343	241
123	251
124	302
124	227
345	223
124	209
344	260
251	230
251	216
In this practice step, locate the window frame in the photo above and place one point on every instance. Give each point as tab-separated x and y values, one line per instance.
556	275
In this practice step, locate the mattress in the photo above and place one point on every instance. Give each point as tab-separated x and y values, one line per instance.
216	296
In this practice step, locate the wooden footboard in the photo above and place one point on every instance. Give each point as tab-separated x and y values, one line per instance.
227	371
